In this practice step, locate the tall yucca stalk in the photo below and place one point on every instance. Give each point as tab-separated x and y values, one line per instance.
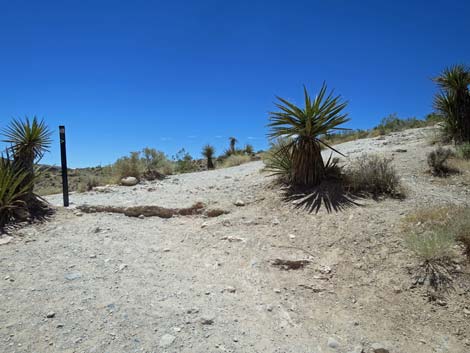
453	101
304	126
28	140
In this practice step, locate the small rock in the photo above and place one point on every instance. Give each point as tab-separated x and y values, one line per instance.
166	250
204	225
92	256
5	240
207	320
466	311
166	340
78	214
332	343
276	222
141	216
269	307
230	289
277	290
72	276
122	267
50	315
129	181
379	348
291	236
239	203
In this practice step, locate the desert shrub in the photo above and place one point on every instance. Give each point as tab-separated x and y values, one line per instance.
184	163
130	166
235	159
154	160
463	151
89	183
393	123
459	228
434	249
437	161
373	175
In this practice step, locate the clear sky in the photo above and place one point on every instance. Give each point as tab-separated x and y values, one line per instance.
122	75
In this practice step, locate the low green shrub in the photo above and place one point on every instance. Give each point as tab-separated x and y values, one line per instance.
184	163
128	166
463	151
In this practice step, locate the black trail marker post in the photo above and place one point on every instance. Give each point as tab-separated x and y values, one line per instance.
63	157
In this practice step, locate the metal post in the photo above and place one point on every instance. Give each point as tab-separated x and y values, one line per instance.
63	156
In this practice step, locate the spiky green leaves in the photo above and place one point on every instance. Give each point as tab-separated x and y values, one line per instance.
304	126
14	186
453	101
29	139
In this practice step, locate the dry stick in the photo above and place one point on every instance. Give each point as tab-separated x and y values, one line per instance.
295	247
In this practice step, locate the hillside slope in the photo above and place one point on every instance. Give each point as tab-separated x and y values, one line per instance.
113	283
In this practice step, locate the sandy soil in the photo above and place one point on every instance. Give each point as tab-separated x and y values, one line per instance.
111	283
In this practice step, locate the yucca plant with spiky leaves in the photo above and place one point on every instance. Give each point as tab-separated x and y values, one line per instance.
249	150
453	101
278	160
233	142
208	152
14	187
29	140
305	126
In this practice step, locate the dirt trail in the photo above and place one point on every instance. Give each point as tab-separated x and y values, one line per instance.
111	283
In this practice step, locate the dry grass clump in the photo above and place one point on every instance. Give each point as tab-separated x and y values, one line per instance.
434	249
373	175
235	159
433	236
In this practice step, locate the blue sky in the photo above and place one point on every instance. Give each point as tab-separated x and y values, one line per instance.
122	75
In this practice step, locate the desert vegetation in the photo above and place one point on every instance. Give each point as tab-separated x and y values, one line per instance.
28	140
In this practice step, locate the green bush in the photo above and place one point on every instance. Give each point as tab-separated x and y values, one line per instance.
128	166
463	151
373	175
154	160
184	163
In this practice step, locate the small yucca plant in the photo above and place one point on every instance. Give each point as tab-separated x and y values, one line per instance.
249	150
233	142
29	140
14	187
208	152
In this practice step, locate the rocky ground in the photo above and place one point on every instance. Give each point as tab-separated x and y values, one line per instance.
104	282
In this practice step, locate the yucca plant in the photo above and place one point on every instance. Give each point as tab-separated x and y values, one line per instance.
14	187
278	160
233	142
28	140
453	101
305	126
249	150
208	152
